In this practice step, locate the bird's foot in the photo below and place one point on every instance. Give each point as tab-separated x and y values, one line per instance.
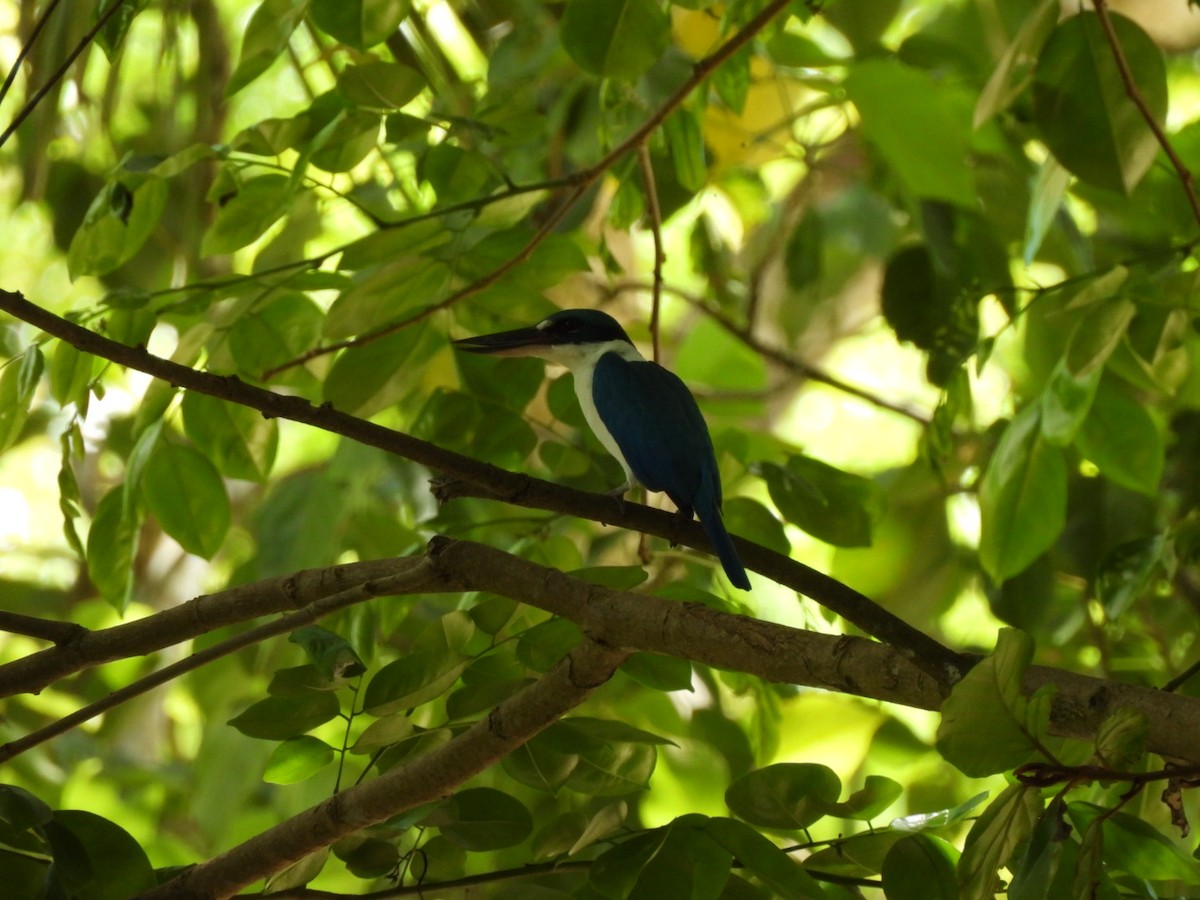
618	494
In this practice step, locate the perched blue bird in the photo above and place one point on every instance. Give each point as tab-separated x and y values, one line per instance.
643	415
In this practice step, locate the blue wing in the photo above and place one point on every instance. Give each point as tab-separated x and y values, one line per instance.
655	421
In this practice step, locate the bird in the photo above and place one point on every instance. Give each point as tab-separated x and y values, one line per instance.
642	413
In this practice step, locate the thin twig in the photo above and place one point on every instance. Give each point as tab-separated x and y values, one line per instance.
654	214
284	625
584	180
27	48
1131	90
45	89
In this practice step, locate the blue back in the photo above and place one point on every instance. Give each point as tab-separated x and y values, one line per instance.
655	421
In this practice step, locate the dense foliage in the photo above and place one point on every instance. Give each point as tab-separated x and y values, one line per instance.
929	268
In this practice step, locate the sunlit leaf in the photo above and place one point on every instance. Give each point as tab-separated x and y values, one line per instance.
244	217
116	225
240	441
297	759
265	39
197	518
1022	499
1081	106
988	725
994	837
360	23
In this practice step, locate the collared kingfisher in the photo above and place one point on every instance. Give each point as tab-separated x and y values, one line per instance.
643	414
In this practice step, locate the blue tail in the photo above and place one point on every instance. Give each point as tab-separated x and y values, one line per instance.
714	527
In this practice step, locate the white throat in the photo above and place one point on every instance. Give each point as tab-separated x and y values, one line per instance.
581	359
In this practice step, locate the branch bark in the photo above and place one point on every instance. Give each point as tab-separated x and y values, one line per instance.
427	778
491	481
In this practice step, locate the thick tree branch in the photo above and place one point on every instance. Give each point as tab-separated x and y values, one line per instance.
400	583
509	487
83	648
426	778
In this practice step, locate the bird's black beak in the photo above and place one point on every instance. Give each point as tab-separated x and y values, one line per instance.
518	342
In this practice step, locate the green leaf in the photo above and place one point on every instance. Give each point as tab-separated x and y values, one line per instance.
276	333
877	794
1065	402
1022	498
116	226
595	757
198	517
685	144
96	858
1122	439
1121	738
1081	107
1125	572
346	141
479	819
112	35
659	673
71	373
18	380
615	38
918	130
360	23
1013	72
758	856
386	293
1135	846
266	38
988	725
824	501
786	796
297	759
278	718
21	809
939	818
365	380
1098	333
994	837
330	653
543	645
681	860
244	217
111	546
240	441
380	85
920	867
1048	192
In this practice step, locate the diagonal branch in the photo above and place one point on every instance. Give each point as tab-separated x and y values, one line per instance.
1131	90
425	779
500	484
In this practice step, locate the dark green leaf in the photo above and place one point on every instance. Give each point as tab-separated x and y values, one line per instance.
275	334
380	85
1098	333
1125	573
346	141
198	518
18	379
920	867
116	867
615	38
761	858
1081	106
1065	402
824	501
386	293
1022	498
368	857
71	372
660	673
365	380
360	23
877	794
331	653
786	796
21	809
544	645
480	819
685	144
1135	846
278	718
112	35
1000	829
